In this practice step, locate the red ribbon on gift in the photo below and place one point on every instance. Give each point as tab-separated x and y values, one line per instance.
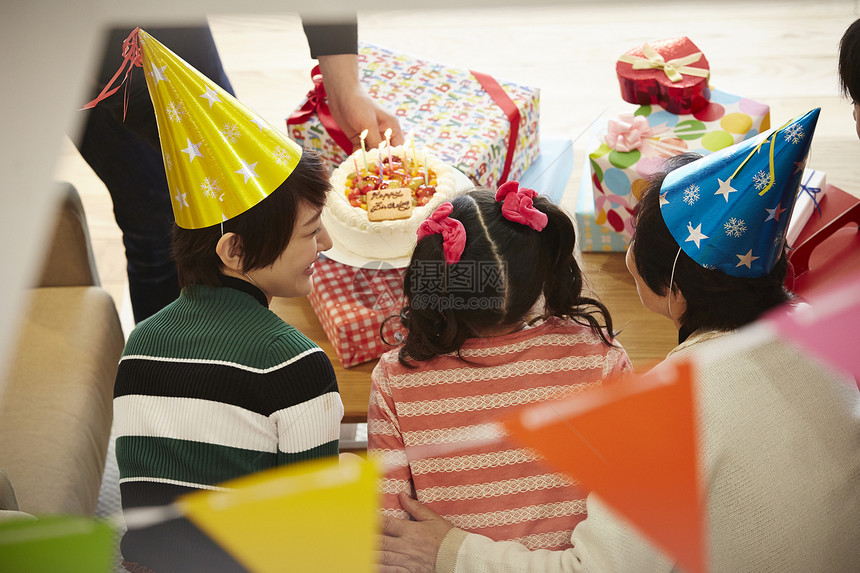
316	103
507	105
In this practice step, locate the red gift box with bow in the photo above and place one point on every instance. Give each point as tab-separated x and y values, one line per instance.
670	73
828	247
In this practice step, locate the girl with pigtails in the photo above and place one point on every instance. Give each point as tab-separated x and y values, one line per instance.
494	318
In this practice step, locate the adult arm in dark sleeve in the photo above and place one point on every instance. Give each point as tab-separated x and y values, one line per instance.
335	45
328	39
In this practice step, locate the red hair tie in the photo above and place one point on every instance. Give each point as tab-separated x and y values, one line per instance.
518	205
453	232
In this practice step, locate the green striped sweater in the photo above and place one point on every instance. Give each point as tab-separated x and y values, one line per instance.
213	387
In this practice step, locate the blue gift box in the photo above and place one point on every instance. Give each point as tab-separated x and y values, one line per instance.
550	172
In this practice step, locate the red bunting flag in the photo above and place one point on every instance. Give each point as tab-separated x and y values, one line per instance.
635	443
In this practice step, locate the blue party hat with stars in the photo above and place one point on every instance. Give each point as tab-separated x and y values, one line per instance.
730	210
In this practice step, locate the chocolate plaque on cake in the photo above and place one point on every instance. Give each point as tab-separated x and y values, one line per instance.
389	204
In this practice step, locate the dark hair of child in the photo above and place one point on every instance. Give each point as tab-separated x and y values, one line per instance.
715	301
505	269
264	229
849	62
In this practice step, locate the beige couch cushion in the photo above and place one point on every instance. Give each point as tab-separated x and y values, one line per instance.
69	257
56	411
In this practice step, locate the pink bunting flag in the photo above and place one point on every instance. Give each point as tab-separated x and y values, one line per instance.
828	326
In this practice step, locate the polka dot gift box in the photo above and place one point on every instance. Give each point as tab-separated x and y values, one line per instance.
631	146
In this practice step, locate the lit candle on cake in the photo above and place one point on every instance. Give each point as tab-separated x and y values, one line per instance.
414	157
381	151
426	172
388	143
357	171
363	149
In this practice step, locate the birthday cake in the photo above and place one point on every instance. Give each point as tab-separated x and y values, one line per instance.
365	179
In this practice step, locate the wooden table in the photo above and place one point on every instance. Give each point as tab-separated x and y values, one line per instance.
646	336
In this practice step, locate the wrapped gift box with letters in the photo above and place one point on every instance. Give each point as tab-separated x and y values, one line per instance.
627	149
466	118
352	303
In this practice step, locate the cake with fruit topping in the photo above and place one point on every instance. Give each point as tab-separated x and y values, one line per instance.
430	181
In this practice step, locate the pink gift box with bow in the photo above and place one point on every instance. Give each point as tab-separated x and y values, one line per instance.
671	73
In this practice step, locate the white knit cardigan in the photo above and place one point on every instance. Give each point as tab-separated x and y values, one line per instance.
781	455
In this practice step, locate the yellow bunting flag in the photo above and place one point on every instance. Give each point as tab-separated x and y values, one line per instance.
634	442
313	516
221	158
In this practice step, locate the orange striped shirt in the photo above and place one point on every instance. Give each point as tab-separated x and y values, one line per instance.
434	429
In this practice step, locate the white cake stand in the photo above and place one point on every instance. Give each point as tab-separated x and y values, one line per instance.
344	256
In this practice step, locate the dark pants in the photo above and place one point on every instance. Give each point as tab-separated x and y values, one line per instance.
126	155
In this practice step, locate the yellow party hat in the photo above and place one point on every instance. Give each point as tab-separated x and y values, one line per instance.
221	158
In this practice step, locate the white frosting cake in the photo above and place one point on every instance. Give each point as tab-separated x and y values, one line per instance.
349	226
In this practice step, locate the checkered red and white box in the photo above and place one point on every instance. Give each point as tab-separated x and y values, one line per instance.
352	304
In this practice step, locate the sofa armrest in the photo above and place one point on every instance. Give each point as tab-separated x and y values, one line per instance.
69	260
57	406
8	501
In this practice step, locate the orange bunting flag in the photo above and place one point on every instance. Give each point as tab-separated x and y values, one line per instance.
634	442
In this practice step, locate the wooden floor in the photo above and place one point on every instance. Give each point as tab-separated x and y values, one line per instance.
780	52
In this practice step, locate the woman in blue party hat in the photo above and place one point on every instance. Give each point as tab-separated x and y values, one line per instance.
709	248
779	432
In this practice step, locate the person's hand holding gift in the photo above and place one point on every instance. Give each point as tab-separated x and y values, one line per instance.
351	107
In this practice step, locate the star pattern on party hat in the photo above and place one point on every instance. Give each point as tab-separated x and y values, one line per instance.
741	198
695	234
193	150
225	157
775	212
746	260
211	96
725	189
157	73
